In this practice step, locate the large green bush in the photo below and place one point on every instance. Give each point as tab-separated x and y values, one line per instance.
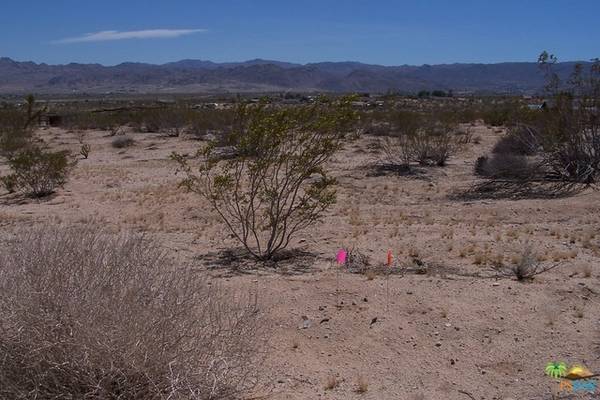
274	181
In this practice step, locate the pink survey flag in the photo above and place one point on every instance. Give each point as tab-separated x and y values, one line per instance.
389	258
341	256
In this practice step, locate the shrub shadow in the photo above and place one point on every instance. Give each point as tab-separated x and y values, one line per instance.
379	169
518	190
19	199
237	262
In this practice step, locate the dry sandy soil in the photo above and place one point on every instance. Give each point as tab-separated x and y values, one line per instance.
449	329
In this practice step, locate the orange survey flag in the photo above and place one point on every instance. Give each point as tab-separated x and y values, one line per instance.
389	258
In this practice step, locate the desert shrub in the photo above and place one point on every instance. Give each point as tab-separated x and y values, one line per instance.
85	314
526	266
9	182
424	141
172	120
275	184
85	150
497	116
506	166
121	142
560	147
520	140
115	130
434	145
480	165
570	130
37	172
16	126
507	112
397	151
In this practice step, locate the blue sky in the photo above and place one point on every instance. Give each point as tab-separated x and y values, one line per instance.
376	31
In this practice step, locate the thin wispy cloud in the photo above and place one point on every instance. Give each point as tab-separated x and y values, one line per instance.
105	36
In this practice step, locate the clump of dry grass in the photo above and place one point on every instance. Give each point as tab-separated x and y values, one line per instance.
480	258
370	274
362	384
524	266
331	382
586	271
87	314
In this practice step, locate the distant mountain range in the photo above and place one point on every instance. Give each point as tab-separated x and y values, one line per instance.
197	76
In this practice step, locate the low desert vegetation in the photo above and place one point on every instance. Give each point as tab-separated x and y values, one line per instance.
331	382
419	139
121	142
561	145
170	120
362	384
34	170
524	266
17	126
87	314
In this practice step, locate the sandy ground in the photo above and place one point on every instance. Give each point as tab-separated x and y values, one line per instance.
453	331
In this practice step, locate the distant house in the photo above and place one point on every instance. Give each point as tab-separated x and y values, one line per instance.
536	107
544	105
209	106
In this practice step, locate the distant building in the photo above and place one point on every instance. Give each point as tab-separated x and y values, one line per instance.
543	105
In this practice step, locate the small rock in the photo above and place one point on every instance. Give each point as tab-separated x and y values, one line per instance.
438	344
305	322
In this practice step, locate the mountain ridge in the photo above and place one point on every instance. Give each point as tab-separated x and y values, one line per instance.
200	76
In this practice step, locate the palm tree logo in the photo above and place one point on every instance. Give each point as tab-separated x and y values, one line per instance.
556	369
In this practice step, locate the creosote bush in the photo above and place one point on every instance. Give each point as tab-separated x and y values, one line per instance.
85	314
422	139
36	172
274	183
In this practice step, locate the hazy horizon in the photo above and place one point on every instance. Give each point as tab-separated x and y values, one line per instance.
533	60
